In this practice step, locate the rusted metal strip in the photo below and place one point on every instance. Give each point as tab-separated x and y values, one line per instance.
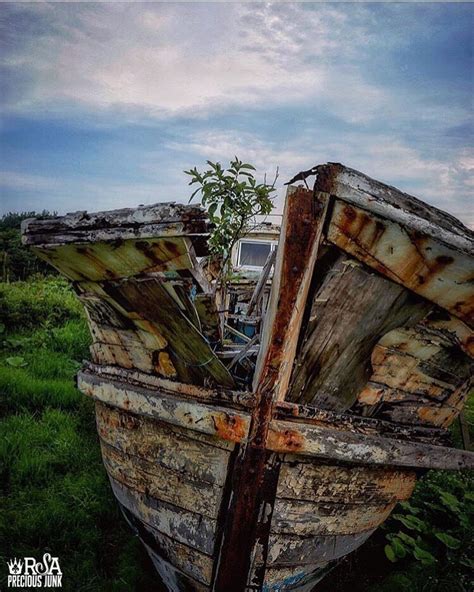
255	477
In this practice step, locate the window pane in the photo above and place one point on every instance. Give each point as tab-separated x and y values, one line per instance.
254	254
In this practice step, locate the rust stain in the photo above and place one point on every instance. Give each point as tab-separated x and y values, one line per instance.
285	441
163	364
231	428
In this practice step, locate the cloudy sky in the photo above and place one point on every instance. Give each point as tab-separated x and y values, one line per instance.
104	105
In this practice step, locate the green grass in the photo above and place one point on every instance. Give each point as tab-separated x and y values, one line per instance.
54	493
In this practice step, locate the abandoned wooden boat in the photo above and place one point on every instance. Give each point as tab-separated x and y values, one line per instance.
255	463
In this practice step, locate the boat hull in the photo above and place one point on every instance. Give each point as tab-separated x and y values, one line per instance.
173	483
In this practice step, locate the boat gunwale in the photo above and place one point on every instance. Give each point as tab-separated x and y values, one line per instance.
323	439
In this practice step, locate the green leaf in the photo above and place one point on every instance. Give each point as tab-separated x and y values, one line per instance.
411	522
398	548
390	553
425	557
450	541
406	538
467	562
449	500
16	361
2	328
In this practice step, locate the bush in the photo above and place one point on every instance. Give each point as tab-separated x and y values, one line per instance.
436	530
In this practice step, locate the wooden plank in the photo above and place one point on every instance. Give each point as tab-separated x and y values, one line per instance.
451	328
289	549
162	219
302	518
419	376
261	283
187	345
345	485
219	396
226	424
430	414
186	452
296	257
161	483
111	261
189	528
286	436
360	190
302	579
186	559
174	579
417	261
246	529
311	415
206	308
351	308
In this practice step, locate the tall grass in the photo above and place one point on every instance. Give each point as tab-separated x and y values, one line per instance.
54	494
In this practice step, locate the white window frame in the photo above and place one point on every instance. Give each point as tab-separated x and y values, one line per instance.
273	245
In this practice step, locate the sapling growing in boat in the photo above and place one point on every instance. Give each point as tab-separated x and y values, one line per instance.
233	199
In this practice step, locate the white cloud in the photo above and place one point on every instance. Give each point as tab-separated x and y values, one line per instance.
445	182
186	59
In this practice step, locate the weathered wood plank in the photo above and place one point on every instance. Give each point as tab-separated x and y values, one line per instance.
299	517
110	261
419	376
174	579
189	453
289	549
421	263
162	219
387	201
297	252
220	396
188	560
311	415
189	528
261	283
187	345
206	307
162	483
225	424
302	579
286	436
341	484
351	308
